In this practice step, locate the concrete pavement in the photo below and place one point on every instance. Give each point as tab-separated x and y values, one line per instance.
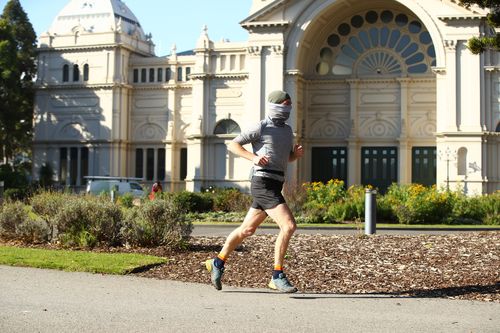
35	300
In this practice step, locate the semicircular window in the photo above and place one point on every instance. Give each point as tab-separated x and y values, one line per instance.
227	126
377	43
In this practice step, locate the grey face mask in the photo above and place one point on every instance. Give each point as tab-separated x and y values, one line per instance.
278	113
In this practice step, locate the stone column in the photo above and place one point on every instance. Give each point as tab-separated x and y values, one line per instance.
354	151
404	148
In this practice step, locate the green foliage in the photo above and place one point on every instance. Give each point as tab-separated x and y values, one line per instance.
126	200
17	70
192	201
230	200
47	204
87	221
491	208
295	196
480	44
12	214
156	222
33	231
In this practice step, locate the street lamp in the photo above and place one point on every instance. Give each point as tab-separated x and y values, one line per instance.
447	156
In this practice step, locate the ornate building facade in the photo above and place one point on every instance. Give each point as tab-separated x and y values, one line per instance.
384	91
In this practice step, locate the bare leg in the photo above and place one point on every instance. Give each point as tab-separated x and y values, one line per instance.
252	220
282	215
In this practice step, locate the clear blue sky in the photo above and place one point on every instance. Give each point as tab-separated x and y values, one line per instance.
169	21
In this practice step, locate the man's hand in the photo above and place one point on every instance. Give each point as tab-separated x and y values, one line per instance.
298	152
260	160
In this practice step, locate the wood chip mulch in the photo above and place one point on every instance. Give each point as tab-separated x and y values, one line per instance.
458	266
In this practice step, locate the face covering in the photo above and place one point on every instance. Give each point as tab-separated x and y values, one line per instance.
278	113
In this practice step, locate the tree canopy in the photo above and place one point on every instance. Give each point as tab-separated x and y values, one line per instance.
489	40
17	71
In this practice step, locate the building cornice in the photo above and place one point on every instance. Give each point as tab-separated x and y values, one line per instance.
82	86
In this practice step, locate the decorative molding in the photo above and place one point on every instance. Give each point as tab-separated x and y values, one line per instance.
254	50
277	49
450	45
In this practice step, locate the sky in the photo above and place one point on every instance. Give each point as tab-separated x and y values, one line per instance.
169	21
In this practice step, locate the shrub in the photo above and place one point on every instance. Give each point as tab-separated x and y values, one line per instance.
126	200
417	204
12	214
156	222
491	208
191	202
230	200
88	221
33	231
46	205
295	196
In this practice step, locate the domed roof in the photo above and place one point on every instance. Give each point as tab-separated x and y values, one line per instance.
96	16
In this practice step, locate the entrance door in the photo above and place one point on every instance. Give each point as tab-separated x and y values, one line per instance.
423	169
379	167
329	163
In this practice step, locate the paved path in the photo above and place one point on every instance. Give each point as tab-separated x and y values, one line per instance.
34	300
223	231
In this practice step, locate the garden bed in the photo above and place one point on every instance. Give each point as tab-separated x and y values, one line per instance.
459	266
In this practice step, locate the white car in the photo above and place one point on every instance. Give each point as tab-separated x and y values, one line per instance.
98	185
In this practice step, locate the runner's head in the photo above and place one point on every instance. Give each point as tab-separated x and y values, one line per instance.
279	105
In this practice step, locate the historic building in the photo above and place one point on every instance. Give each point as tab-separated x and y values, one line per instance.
384	91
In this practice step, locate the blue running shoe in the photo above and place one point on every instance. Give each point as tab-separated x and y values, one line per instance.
215	273
282	284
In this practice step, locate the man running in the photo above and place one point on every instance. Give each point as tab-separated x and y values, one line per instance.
273	148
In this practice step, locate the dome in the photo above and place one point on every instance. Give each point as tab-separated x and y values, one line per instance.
96	16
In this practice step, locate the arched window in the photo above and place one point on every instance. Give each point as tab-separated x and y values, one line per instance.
86	72
462	161
76	73
188	72
65	76
227	126
179	73
168	74
377	43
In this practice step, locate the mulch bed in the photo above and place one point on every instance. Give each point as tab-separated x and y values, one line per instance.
459	266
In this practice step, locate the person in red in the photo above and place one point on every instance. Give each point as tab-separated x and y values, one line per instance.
155	189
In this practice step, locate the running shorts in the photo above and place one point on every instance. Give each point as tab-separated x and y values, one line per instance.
266	193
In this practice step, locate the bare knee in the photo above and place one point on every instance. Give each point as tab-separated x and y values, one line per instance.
247	231
289	228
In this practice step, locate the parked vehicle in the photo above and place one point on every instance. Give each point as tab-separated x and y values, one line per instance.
97	185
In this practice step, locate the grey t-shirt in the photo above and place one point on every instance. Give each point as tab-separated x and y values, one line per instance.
268	139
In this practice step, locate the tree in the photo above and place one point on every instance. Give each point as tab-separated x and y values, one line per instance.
492	39
17	71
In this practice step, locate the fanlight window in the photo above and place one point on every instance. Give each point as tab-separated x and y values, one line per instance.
377	43
227	126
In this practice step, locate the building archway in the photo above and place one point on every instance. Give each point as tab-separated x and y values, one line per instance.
366	83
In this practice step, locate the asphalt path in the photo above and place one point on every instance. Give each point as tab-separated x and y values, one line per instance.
224	230
36	300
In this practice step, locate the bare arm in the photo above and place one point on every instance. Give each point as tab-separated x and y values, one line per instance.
239	150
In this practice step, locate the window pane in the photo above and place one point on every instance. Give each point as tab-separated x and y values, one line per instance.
161	164
151	75
136	75
150	164
183	163
139	163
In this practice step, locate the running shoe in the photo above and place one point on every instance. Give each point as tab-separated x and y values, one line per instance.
282	284
215	273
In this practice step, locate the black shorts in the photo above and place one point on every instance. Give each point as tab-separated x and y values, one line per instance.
266	193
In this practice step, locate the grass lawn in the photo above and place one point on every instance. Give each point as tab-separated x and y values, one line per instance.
77	261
